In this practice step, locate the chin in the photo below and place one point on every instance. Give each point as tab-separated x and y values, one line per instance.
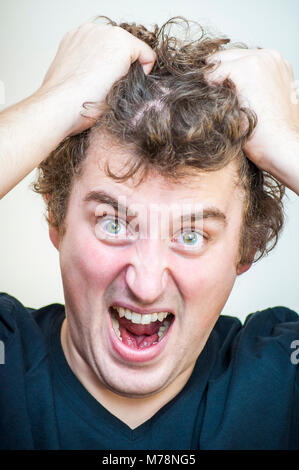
135	383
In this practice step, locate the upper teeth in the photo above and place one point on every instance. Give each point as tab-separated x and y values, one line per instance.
143	319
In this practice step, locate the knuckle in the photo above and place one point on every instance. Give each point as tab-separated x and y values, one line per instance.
119	32
273	53
68	34
87	25
254	60
264	56
103	27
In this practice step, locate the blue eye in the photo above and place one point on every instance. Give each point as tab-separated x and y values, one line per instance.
112	226
190	238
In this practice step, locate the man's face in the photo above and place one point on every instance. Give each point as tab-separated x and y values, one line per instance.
124	263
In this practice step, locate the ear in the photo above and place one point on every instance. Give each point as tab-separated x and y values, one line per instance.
53	231
54	236
242	268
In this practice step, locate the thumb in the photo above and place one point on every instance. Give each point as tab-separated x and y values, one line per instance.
147	67
145	55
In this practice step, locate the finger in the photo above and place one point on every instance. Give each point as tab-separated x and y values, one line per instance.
218	75
145	55
230	54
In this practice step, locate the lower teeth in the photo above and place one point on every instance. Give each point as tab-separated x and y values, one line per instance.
115	325
162	330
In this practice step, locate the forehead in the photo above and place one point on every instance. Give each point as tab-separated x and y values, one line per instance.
218	187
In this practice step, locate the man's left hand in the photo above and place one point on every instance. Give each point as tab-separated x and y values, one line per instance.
265	82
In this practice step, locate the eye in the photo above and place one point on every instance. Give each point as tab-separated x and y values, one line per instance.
189	240
111	228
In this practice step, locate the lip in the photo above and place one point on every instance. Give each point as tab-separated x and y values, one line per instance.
136	355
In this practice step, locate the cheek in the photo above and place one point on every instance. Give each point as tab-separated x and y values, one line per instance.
89	262
209	277
206	286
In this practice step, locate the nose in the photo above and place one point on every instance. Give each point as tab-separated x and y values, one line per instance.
147	273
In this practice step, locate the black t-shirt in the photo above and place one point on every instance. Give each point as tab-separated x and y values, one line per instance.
242	393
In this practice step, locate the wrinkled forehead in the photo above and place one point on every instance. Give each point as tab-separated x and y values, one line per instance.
219	187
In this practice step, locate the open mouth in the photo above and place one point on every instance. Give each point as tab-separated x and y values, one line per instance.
139	331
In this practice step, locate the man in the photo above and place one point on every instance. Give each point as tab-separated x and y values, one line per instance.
139	357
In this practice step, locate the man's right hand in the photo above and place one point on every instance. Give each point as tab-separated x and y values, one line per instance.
89	60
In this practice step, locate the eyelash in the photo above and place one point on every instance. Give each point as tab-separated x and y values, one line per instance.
108	218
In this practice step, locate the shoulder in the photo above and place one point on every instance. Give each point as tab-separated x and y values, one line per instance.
13	312
22	329
267	338
276	323
277	326
12	315
255	381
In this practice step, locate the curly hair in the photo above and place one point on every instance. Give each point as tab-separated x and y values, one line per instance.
174	121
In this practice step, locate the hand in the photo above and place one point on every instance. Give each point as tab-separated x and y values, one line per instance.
88	61
265	82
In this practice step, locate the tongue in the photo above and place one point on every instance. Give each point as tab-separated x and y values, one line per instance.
137	341
138	336
137	328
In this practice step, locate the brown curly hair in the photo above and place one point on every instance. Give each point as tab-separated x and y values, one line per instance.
175	121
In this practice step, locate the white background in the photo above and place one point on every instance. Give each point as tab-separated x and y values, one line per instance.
30	31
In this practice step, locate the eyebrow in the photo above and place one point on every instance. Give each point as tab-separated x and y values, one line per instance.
206	213
104	198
